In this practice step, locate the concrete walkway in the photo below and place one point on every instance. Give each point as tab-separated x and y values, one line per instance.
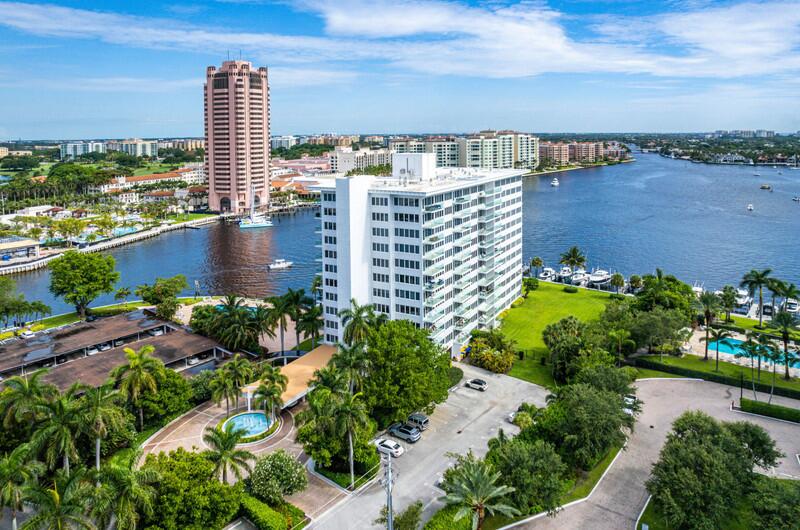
621	495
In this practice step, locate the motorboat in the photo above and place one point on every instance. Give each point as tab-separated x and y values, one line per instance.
743	297
579	277
766	187
791	305
280	264
548	274
255	220
756	174
796	199
564	273
555	183
599	277
750	208
697	289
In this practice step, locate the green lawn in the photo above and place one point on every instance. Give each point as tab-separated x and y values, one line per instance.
751	324
182	218
69	318
525	323
694	362
642	373
154	168
742	518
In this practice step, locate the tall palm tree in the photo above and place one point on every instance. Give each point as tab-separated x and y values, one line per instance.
127	494
298	302
475	490
617	281
350	414
776	288
268	395
573	258
352	361
281	311
57	432
708	303
223	387
22	394
750	349
223	451
311	324
331	378
138	377
241	372
772	352
536	264
717	336
271	374
237	328
17	470
619	338
262	321
356	321
316	287
62	506
753	281
728	300
101	413
785	324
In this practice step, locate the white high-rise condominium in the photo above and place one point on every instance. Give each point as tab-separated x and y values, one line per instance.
499	150
441	247
73	150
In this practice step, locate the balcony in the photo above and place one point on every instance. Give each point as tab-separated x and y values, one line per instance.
433	223
434	269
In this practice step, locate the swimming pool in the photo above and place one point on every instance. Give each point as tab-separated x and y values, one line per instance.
733	347
253	423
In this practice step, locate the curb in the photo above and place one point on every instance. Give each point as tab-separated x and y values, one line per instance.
310	466
638	519
740	411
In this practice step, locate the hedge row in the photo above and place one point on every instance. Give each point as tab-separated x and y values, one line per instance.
443	520
714	377
773	411
261	515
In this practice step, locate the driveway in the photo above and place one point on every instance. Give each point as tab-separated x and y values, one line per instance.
467	420
621	495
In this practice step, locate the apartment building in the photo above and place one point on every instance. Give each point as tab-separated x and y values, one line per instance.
499	150
237	136
193	175
72	150
285	142
189	144
3	152
440	247
557	154
586	151
344	159
134	147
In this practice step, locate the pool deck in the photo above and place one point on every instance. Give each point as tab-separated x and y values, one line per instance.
698	348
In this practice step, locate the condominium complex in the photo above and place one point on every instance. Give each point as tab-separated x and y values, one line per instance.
186	144
72	150
487	150
3	152
285	142
344	159
557	154
134	147
237	136
586	151
440	247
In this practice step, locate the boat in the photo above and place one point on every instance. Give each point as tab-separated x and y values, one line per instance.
743	298
599	277
255	220
555	183
697	289
548	274
579	277
750	208
756	174
796	199
791	305
766	187
564	273
280	264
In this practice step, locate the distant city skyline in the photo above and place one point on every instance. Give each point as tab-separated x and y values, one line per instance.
71	71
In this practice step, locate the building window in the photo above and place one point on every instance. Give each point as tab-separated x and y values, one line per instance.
329	225
405	201
406	278
406	263
406	232
406	309
380	216
380	232
402	247
330	267
406	217
403	293
380	262
330	254
329	211
331	282
378	277
380	293
380	201
380	247
330	197
330	240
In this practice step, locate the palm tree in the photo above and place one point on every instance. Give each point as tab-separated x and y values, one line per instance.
237	328
23	393
17	470
784	322
138	377
620	338
536	263
790	291
771	351
331	378
475	489
316	287
350	414
223	451
62	506
717	336
352	361
281	311
101	413
709	304
272	375
59	427
223	387
298	302
635	282
617	281
262	321
776	288
356	322
122	294
573	258
311	324
241	372
268	395
126	495
750	349
753	281
728	301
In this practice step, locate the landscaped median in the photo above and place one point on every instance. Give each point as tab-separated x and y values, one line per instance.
767	409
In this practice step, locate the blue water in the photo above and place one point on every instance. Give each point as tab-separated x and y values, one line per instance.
253	423
733	346
689	219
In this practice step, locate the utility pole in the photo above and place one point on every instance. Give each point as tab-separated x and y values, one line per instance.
388	484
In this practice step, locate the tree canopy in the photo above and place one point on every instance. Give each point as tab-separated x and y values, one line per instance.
80	277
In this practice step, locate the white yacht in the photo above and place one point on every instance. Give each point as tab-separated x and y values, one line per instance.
255	220
280	264
579	277
548	274
792	306
743	297
555	183
697	289
750	208
599	277
564	273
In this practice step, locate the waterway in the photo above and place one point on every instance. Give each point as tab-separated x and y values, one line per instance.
689	219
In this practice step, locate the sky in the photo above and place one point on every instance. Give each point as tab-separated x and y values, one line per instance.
79	69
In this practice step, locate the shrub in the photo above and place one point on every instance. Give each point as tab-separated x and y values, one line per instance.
767	409
617	296
276	475
570	289
261	515
201	386
523	420
499	362
444	520
455	374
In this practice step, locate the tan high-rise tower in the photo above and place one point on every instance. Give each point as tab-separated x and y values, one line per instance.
237	136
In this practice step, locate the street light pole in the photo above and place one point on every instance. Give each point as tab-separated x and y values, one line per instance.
388	483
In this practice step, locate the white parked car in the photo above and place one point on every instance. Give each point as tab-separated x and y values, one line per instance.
27	334
389	447
477	384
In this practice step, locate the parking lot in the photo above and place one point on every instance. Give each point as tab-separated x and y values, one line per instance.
467	420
